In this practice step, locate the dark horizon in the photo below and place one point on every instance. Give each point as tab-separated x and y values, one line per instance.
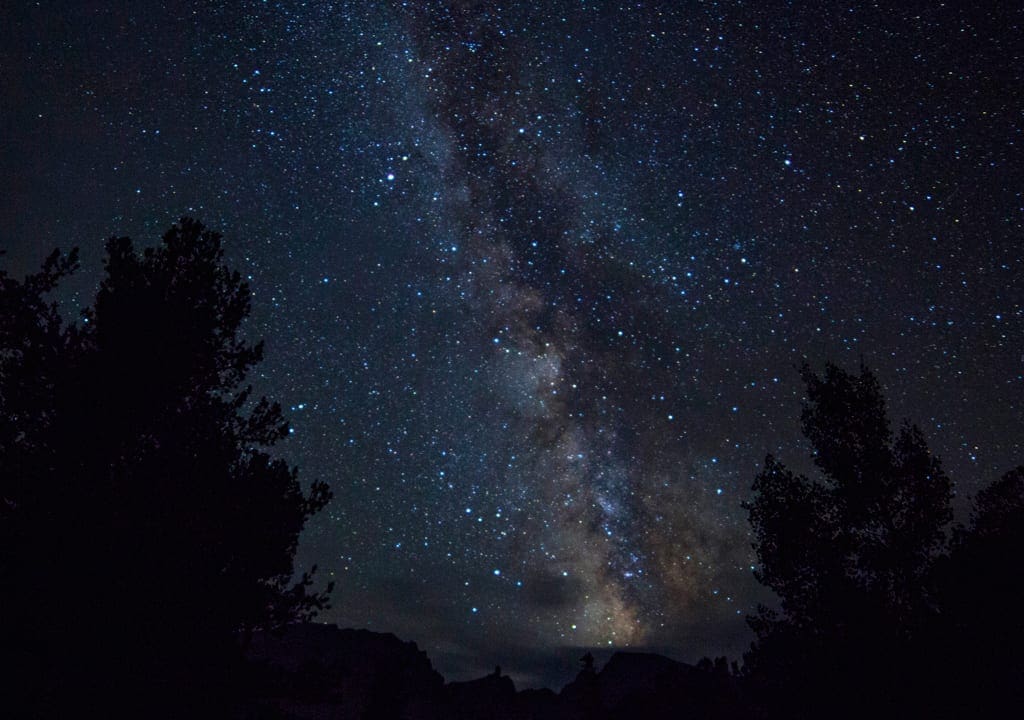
537	280
534	668
553	668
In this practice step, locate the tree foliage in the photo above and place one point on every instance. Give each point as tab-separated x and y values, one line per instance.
142	511
849	553
883	611
982	592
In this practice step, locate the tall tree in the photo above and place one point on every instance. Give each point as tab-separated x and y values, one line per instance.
34	347
146	514
848	553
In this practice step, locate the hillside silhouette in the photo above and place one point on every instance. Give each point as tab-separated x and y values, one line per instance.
319	671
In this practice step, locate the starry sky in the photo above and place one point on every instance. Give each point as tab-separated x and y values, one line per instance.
535	278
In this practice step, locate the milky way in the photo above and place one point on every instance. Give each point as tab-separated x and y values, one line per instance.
535	278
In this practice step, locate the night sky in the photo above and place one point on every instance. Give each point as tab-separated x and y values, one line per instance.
535	278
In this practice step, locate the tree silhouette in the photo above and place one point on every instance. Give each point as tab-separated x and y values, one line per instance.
982	595
849	555
146	527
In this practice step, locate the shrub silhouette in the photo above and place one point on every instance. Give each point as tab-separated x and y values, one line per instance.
145	525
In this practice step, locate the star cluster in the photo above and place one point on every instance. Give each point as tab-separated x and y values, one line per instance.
535	277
